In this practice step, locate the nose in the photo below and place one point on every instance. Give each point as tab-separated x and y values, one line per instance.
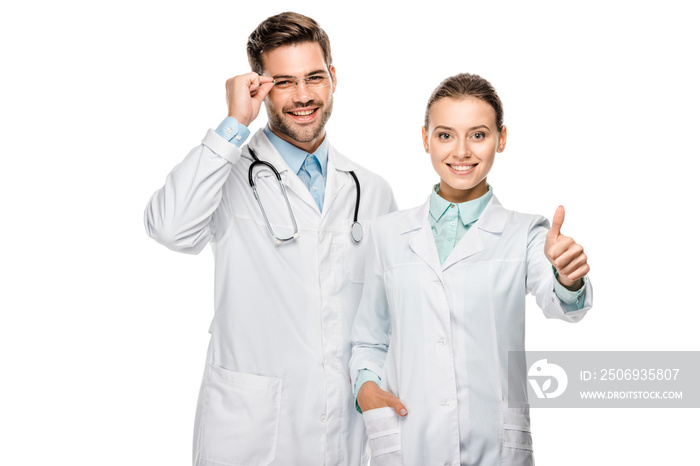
462	149
301	92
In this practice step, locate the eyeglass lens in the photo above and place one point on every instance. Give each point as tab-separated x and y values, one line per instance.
311	82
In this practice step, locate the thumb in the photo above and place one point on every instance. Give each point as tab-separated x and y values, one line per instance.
399	407
262	91
557	222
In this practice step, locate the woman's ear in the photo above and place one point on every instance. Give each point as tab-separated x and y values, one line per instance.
424	133
502	140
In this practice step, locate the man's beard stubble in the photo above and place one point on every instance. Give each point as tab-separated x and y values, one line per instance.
300	133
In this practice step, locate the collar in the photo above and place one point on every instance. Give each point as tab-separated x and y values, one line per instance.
293	156
469	212
493	219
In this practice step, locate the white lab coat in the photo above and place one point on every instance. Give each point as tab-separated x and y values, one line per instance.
439	335
276	387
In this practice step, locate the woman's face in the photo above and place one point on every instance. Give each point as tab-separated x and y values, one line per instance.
462	140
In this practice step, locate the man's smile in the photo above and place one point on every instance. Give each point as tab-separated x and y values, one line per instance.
303	114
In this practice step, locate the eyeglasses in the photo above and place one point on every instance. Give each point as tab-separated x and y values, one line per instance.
316	81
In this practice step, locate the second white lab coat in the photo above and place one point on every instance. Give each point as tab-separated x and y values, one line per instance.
276	388
439	335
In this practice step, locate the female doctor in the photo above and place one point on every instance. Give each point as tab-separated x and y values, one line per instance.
444	301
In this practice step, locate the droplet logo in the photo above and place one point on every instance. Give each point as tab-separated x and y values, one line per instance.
546	372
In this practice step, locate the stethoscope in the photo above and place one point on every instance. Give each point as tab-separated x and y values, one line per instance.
356	231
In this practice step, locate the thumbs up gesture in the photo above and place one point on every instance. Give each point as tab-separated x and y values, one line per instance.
565	254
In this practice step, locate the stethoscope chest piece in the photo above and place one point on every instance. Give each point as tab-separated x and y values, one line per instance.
356	232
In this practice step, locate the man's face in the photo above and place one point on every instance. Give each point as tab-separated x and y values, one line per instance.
299	116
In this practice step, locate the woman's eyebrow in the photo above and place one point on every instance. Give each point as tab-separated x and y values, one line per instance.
470	129
444	127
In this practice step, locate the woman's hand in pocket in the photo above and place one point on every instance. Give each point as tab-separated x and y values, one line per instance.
370	396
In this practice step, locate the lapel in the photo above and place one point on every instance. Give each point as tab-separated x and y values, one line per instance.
338	179
422	241
267	152
480	235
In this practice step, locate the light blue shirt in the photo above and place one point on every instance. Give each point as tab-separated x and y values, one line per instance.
310	168
232	131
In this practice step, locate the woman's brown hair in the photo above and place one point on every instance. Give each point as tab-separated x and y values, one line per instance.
465	85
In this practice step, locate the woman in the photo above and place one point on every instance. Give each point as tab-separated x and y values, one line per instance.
444	301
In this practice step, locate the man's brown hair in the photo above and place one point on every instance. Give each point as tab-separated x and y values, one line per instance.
287	28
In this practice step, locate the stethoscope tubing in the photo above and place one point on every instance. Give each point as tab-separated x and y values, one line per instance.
356	231
257	161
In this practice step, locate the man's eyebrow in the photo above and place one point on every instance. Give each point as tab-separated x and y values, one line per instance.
316	72
312	73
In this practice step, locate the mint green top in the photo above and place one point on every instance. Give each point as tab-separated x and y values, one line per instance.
450	221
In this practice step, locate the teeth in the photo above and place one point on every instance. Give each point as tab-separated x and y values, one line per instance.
304	113
462	168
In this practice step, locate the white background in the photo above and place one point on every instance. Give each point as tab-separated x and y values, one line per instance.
104	332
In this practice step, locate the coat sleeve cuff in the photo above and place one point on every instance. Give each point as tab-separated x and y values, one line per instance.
221	146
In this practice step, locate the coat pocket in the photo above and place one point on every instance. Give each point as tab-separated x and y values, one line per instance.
517	440
239	418
384	436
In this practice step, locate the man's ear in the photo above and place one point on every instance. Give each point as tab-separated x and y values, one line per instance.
502	140
334	79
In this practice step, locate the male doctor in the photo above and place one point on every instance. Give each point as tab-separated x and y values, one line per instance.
276	387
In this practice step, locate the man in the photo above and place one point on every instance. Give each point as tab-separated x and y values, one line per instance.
276	387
